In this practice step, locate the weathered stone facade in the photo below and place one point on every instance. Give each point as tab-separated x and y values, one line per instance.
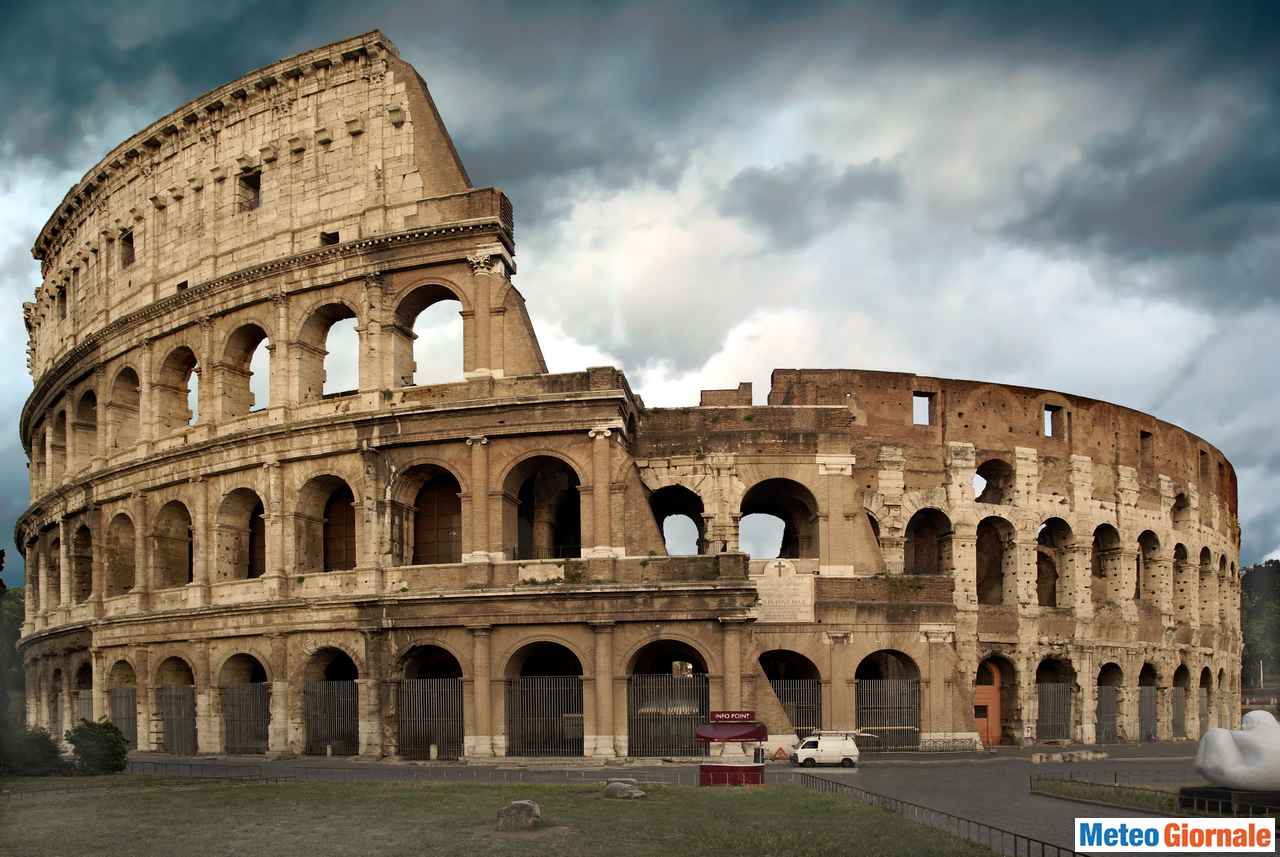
482	521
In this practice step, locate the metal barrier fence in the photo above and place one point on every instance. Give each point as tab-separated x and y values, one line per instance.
430	715
1180	712
544	716
663	712
889	709
802	701
246	713
177	708
1004	842
1106	731
124	712
331	719
1053	717
81	706
1113	790
1148	718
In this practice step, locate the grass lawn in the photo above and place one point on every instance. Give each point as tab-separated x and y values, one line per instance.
1162	799
144	817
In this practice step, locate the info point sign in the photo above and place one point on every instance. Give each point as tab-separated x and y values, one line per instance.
1175	835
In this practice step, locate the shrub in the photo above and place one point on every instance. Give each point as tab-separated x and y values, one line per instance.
28	752
100	747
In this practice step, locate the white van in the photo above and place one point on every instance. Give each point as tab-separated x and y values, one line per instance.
826	748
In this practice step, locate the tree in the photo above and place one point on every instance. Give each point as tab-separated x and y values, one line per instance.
11	680
1260	621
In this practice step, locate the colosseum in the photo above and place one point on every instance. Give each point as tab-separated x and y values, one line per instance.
481	568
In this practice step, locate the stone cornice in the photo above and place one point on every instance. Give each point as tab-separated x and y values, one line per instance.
162	307
128	155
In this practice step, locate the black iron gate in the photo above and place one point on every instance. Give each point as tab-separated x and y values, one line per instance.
544	716
430	715
1148	713
81	706
177	709
1106	731
331	718
889	709
124	713
1179	712
1053	715
663	712
246	713
802	701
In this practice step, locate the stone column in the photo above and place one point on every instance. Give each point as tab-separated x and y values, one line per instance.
30	585
370	691
98	561
198	592
732	634
65	599
208	719
485	272
142	556
65	701
481	546
278	385
275	584
964	557
601	744
481	744
101	701
103	419
35	554
69	466
278	729
146	699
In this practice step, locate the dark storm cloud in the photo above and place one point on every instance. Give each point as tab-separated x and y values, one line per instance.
795	202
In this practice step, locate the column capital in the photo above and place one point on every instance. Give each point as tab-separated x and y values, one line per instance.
480	630
477	439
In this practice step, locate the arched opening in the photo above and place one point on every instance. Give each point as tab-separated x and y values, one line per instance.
56	722
1181	696
53	568
85	429
176	706
1052	542
437	517
430	318
326	522
122	552
246	371
176	391
1224	593
927	549
1148	704
330	704
544	702
242	536
58	441
174	546
1055	691
887	701
542	516
123	410
429	707
797	685
1110	682
991	685
82	694
122	700
1183	584
788	502
1147	585
329	353
668	697
1208	590
993	482
1180	513
875	527
678	514
997	560
246	704
81	564
1104	565
1204	698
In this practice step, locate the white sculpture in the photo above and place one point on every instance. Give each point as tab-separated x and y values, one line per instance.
1248	758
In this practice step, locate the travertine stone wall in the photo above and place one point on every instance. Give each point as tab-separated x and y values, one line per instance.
1030	533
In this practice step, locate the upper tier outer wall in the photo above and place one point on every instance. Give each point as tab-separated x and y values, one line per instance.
871	410
346	139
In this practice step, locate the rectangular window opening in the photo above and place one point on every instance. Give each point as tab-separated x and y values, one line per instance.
1054	421
126	248
62	305
1145	451
1204	469
327	238
922	408
182	286
249	190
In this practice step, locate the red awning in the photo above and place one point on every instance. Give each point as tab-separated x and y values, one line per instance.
732	732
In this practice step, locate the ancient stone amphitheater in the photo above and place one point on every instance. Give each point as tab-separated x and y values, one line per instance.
481	568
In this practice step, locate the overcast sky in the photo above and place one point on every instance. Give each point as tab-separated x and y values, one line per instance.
1076	196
